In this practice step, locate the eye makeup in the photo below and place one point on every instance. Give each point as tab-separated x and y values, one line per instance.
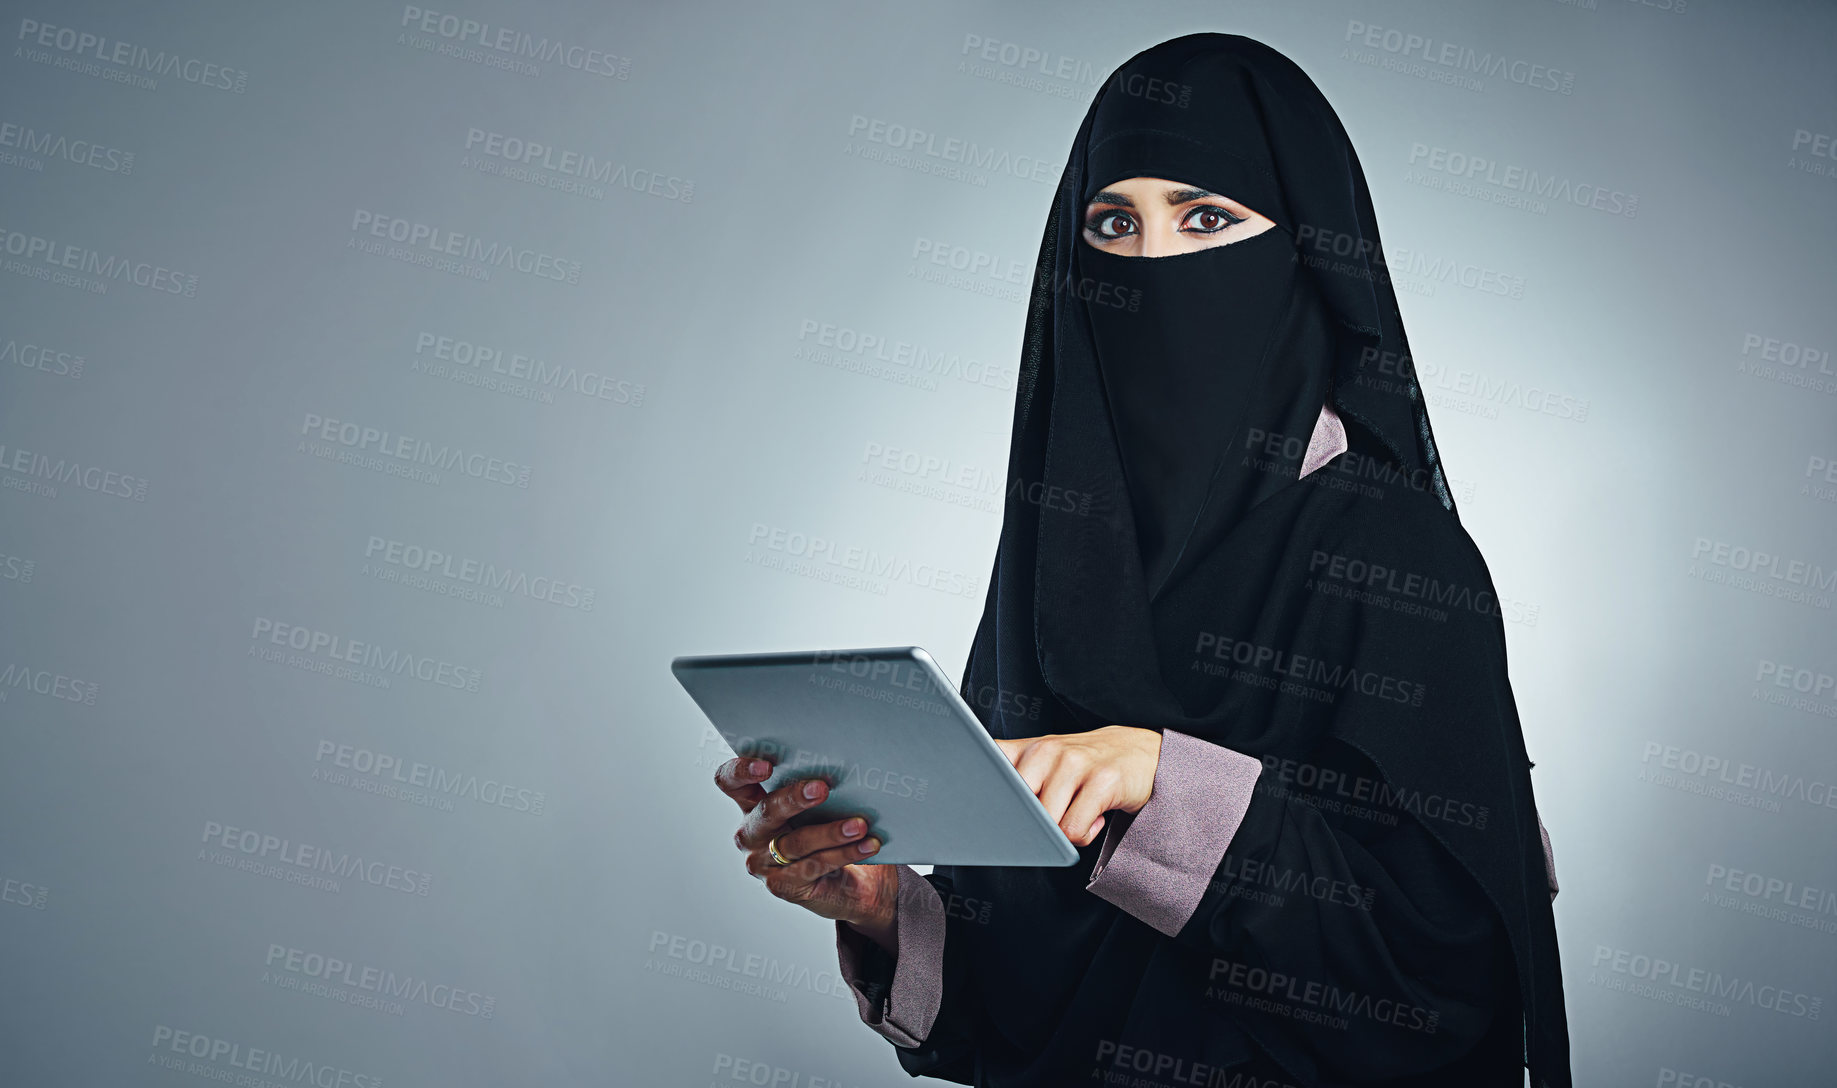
1095	223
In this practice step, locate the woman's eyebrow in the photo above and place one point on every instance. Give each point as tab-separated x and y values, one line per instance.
1181	196
1173	196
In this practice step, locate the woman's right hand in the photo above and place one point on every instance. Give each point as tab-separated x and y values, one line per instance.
823	876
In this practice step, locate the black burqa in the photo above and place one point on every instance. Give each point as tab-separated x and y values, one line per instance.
1381	916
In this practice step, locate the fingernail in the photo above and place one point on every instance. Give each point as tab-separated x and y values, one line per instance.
869	846
851	828
758	767
811	787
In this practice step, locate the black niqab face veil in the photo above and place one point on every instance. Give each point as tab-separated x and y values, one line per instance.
1193	366
1172	399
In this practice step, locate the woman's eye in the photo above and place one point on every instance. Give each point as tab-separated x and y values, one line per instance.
1210	220
1100	225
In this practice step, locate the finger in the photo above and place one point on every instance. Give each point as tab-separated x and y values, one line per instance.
1062	773
1062	785
739	779
806	840
803	842
1084	816
767	818
1034	763
797	881
1016	748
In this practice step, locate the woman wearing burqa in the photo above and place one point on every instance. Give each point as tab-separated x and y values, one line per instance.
1261	599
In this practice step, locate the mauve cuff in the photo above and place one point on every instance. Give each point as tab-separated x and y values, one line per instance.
1157	863
911	1004
1327	442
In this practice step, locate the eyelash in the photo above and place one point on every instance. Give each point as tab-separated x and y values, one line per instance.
1230	220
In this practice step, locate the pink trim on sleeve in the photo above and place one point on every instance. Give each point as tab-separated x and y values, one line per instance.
1157	863
1328	440
911	1004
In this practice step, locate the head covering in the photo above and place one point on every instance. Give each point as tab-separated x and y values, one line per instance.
1186	591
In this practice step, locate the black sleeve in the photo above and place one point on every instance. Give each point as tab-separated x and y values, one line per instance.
1341	934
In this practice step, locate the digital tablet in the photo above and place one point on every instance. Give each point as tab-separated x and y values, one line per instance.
896	743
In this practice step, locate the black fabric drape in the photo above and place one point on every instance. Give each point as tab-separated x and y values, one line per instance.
1201	352
1342	627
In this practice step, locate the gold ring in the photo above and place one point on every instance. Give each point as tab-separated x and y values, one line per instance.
771	847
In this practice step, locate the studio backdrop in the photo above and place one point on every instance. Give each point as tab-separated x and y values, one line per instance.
388	393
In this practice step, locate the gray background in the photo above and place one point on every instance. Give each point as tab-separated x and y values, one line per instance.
1632	403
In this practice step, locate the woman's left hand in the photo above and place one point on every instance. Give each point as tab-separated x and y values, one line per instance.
1081	776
